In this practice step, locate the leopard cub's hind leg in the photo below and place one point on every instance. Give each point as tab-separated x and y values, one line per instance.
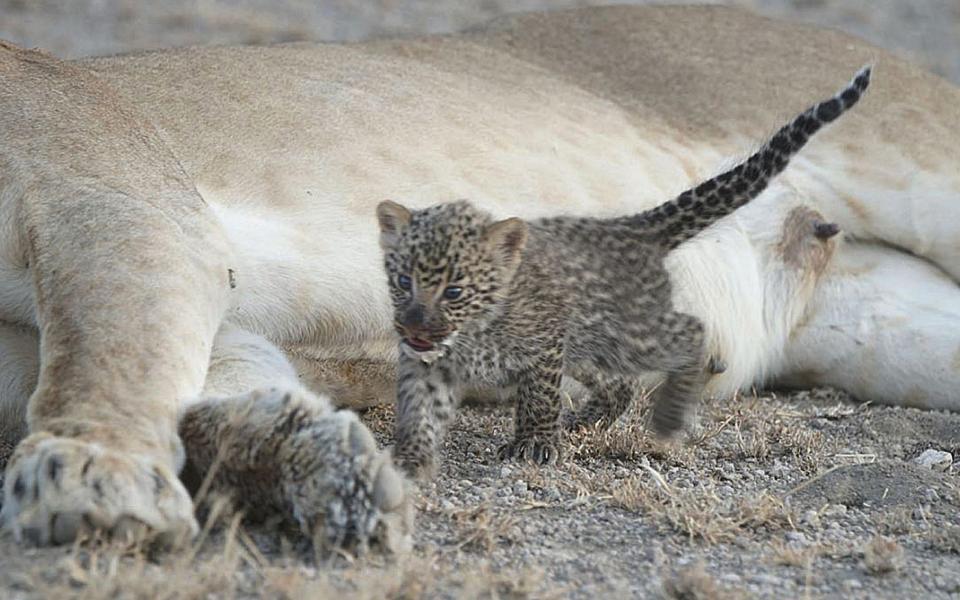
680	353
610	396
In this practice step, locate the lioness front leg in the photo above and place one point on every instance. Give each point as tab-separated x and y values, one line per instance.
280	449
45	464
128	276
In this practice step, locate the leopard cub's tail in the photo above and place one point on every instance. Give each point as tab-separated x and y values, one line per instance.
674	222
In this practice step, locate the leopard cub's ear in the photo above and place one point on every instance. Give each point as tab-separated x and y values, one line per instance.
507	239
393	218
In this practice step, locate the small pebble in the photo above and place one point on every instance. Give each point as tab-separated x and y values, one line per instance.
811	518
796	537
766	579
835	510
938	460
852	584
552	494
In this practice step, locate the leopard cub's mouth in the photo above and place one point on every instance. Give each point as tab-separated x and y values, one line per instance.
426	350
419	344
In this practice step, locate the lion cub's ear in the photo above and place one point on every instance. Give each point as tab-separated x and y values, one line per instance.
507	238
393	219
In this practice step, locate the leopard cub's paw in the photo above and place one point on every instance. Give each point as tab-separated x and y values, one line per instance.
58	489
535	449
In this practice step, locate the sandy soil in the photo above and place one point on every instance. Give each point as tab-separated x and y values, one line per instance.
804	495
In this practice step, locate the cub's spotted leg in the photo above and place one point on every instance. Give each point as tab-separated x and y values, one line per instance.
680	354
537	436
426	401
284	450
609	397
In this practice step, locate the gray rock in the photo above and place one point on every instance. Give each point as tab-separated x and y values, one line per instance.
937	460
810	518
796	537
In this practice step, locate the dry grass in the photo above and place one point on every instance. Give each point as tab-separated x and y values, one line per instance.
764	430
898	521
415	577
98	570
693	583
945	538
232	567
883	555
699	513
482	529
629	439
804	555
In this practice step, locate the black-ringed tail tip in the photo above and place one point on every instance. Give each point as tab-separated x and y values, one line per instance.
696	209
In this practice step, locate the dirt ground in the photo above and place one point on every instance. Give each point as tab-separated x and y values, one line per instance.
808	494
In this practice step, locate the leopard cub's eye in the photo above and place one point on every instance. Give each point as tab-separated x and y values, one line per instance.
452	292
404	282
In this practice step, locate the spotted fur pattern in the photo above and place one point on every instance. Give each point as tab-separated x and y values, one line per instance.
509	303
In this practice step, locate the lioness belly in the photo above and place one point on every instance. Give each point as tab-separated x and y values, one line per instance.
600	112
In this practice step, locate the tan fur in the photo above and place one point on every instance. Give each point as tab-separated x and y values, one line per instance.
132	280
130	187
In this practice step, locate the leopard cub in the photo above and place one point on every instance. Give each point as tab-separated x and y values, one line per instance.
480	302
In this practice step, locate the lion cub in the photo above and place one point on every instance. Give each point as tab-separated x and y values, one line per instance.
510	303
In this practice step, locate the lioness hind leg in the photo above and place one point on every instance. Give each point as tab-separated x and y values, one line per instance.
277	448
19	365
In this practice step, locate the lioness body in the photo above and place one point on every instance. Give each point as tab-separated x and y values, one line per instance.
593	112
123	267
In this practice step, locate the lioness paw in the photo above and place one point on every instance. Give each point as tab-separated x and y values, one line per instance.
343	490
58	489
419	466
288	452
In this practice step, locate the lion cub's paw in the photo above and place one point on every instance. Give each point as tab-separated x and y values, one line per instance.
58	489
345	491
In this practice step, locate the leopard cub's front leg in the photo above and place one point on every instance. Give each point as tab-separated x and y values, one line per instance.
426	400
538	435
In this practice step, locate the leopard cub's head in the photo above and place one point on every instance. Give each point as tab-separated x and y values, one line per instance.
448	267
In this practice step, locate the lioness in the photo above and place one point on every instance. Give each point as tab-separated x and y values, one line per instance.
192	232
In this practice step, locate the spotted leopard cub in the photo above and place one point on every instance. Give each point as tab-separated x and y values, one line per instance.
513	304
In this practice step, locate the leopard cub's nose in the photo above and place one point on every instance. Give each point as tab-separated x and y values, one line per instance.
413	317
